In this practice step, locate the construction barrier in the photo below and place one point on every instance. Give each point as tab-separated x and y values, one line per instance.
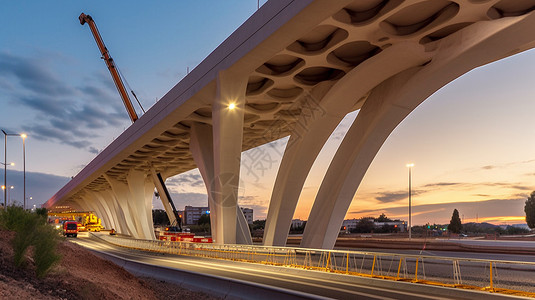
509	277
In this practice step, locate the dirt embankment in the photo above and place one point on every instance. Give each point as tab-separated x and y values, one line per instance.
80	275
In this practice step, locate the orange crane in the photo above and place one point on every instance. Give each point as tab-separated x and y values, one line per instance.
124	95
111	65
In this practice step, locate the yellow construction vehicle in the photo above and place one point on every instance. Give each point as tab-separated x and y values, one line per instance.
87	220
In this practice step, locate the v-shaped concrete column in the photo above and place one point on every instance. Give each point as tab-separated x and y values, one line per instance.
117	214
135	201
141	190
102	212
217	153
201	147
324	110
88	204
83	204
120	193
103	197
392	101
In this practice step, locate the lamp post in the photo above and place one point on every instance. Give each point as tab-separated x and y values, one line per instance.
24	136
9	193
5	161
5	183
28	198
410	175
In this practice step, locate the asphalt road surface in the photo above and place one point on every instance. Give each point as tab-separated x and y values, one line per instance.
329	285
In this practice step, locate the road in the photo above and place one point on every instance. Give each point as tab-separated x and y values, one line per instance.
475	255
494	243
313	283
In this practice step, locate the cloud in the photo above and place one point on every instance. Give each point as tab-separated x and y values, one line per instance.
391	197
388	197
504	165
247	198
70	115
200	199
182	199
521	187
441	184
93	150
185	180
32	74
39	186
440	213
258	205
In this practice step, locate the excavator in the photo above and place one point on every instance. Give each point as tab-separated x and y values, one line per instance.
174	217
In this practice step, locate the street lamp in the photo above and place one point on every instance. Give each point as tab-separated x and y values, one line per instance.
24	136
5	183
5	161
410	175
9	193
29	198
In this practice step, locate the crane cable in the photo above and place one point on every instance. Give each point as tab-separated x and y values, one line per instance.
129	88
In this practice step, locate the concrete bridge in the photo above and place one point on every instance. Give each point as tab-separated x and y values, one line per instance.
296	68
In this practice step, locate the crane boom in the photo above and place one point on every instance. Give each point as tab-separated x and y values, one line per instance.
111	65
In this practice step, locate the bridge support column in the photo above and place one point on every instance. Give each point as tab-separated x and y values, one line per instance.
390	102
111	221
135	200
227	116
88	203
116	212
217	151
99	209
322	111
141	190
81	202
201	147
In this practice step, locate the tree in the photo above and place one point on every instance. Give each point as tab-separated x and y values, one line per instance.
383	218
259	224
159	217
204	219
455	224
365	225
529	209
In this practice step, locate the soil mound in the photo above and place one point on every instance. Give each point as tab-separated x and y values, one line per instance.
79	275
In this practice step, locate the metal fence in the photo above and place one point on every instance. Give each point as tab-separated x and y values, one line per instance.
510	277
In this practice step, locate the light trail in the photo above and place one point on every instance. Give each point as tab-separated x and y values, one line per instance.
313	282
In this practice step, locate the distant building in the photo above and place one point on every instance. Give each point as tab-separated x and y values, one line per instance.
248	213
351	224
192	214
398	224
523	226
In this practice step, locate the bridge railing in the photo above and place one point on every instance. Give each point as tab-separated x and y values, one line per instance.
512	277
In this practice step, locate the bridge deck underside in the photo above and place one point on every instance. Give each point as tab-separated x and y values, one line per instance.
296	68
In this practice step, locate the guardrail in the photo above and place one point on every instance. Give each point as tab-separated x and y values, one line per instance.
509	277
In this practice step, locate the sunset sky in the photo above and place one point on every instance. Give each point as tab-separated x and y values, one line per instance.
471	142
